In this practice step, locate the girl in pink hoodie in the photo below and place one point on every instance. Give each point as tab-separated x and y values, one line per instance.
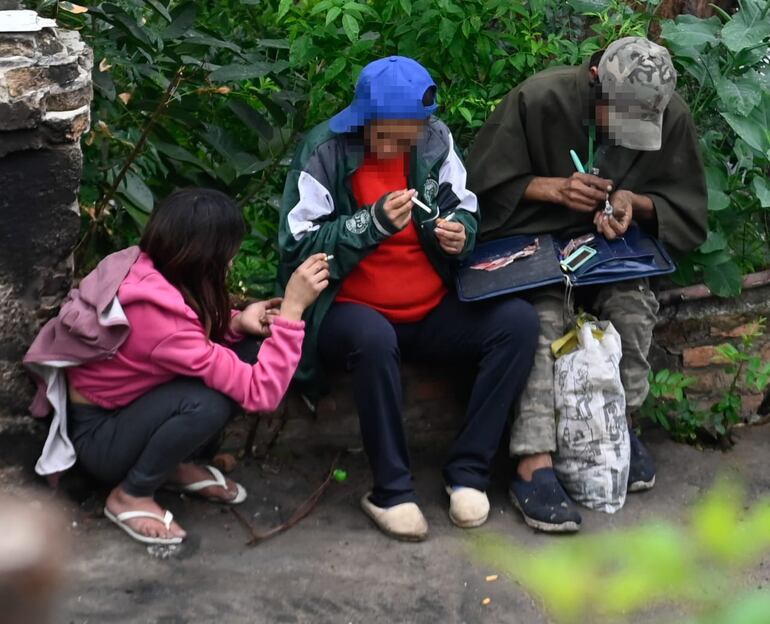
137	417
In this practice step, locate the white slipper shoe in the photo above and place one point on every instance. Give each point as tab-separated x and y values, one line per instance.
404	521
218	481
468	507
166	519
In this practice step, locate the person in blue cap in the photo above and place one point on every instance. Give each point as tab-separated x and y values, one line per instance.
381	189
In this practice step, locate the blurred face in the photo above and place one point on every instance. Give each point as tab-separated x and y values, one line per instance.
388	138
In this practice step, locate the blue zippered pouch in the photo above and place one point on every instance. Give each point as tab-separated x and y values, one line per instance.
634	256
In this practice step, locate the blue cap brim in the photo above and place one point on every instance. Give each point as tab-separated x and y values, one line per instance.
347	120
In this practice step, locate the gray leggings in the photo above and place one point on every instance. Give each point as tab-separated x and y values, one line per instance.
138	445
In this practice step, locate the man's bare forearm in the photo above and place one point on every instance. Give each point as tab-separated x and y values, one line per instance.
543	190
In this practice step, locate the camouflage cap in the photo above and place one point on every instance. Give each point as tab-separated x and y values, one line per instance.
638	80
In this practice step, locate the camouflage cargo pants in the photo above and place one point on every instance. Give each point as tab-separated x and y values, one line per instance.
632	308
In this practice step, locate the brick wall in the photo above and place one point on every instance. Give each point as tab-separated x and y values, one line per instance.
689	333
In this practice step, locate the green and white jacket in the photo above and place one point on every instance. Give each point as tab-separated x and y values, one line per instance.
320	214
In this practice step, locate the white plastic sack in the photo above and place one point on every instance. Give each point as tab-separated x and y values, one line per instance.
592	435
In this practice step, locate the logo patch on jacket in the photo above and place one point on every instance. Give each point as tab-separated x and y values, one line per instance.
430	190
358	223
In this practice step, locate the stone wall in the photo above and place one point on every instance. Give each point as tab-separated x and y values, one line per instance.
689	333
45	95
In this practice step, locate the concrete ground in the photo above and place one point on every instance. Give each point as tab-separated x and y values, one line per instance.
334	566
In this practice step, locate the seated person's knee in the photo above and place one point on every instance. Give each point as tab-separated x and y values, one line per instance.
517	318
208	408
376	341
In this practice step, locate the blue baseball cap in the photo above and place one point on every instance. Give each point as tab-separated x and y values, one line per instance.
388	88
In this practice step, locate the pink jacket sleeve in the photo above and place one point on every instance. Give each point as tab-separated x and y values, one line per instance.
257	388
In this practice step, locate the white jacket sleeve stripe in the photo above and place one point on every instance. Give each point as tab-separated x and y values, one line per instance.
314	202
453	172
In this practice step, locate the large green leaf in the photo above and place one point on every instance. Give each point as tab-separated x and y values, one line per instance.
754	129
196	38
177	152
762	189
446	31
238	71
717	200
183	18
115	15
716	178
704	66
335	68
716	241
690	33
284	6
741	95
160	9
333	14
252	118
350	26
247	164
139	217
764	80
276	112
321	7
746	29
724	280
278	44
713	258
227	145
137	192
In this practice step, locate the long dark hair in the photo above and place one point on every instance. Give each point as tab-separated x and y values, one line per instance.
191	238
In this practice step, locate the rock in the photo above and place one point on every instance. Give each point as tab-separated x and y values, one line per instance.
45	94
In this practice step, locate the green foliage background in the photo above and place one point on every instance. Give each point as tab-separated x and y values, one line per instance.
218	93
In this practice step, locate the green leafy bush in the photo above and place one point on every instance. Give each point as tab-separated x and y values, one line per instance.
217	94
476	50
724	76
185	94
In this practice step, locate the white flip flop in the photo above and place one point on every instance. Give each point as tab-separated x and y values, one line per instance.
218	481
166	519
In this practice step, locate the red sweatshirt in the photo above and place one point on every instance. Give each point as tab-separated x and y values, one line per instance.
396	279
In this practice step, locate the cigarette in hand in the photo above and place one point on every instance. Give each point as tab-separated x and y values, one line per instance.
329	257
421	205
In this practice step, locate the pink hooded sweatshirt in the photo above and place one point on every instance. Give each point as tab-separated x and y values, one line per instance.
167	340
125	330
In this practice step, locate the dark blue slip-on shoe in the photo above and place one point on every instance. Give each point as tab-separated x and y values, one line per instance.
641	472
544	503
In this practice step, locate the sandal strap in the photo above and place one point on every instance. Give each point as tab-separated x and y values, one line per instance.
217	481
165	519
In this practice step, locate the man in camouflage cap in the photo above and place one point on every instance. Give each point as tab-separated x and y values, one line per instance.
637	81
619	112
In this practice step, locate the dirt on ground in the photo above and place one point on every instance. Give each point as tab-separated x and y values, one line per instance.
335	566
